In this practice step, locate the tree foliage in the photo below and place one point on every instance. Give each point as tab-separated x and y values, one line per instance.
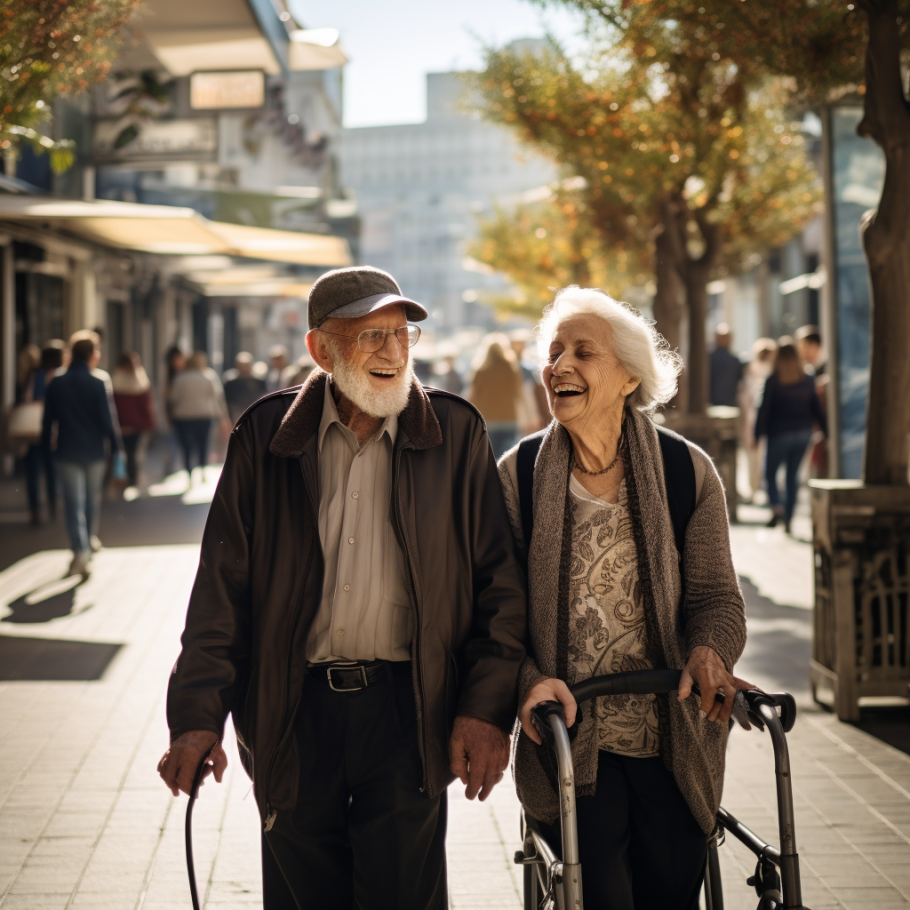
50	48
549	243
666	142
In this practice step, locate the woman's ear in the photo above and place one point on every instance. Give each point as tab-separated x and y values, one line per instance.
319	350
630	386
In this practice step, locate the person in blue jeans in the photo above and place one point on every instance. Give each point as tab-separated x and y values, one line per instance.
78	404
789	410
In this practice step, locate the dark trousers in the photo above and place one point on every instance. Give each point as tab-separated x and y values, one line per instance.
130	448
37	462
785	449
362	834
639	844
194	440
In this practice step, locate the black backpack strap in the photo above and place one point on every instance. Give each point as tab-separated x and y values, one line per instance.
524	468
679	479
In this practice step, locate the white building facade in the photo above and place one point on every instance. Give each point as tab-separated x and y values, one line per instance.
420	190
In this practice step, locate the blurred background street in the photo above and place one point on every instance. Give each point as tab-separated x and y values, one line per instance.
174	177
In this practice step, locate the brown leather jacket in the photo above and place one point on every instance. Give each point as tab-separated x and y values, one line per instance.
260	575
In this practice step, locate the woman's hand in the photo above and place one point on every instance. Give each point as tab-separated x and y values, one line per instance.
707	669
546	689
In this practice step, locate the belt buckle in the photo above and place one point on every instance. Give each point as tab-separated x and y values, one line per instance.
351	666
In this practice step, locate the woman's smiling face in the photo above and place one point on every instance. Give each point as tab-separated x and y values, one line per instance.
583	378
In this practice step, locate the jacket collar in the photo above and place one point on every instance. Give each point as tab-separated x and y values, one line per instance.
417	421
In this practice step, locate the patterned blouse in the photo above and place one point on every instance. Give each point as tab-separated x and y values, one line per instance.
607	623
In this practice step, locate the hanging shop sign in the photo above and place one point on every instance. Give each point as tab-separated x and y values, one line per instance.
219	91
188	139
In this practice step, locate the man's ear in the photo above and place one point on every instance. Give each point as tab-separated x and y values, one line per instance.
319	350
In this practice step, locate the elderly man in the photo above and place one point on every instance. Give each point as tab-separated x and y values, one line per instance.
360	612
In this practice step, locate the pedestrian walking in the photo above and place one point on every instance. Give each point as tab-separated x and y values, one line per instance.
605	578
360	611
726	369
27	361
495	389
788	412
241	387
196	399
35	460
755	374
174	363
79	409
446	376
297	372
533	414
809	345
278	360
135	411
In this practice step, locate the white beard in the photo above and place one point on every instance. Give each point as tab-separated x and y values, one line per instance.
354	384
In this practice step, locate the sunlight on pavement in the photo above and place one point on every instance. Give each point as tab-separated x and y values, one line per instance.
201	490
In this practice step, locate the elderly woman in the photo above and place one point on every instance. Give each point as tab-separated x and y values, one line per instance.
609	593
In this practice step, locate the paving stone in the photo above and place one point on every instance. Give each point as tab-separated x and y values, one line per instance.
85	822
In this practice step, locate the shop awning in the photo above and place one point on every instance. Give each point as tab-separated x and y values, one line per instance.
246	281
173	231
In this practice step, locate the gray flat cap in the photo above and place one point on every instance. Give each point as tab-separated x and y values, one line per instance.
356	291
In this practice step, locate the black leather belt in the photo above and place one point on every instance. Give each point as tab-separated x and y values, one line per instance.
354	675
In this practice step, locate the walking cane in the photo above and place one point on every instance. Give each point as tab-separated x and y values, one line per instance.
188	829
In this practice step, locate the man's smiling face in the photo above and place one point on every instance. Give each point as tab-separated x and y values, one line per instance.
377	383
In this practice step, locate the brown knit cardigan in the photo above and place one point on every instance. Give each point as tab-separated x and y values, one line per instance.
713	612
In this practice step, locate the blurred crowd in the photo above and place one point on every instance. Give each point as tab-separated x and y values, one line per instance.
780	392
78	431
190	416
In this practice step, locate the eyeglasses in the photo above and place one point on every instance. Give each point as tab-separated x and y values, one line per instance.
372	340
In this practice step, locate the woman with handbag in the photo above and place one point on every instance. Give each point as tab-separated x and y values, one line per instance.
34	459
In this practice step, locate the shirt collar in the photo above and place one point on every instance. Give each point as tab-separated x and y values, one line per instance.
330	416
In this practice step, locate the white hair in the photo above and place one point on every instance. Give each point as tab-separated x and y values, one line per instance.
355	386
638	346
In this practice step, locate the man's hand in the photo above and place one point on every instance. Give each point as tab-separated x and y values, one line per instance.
178	765
547	689
707	669
479	754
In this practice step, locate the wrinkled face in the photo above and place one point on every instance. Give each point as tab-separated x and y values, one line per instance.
378	383
582	376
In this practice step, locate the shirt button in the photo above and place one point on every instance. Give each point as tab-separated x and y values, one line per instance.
350	540
354	495
341	631
347	587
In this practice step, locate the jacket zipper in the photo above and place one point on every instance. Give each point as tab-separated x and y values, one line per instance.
272	814
412	595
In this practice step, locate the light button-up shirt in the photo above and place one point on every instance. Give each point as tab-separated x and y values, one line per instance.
365	612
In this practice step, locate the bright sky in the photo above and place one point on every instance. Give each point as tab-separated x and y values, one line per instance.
392	44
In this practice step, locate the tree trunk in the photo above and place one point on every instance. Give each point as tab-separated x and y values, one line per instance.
667	309
886	240
697	276
887	245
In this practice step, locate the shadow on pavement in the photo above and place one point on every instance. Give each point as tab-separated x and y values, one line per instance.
46	659
890	724
778	645
50	600
154	521
777	654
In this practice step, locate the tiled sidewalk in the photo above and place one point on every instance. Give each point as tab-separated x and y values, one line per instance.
85	821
